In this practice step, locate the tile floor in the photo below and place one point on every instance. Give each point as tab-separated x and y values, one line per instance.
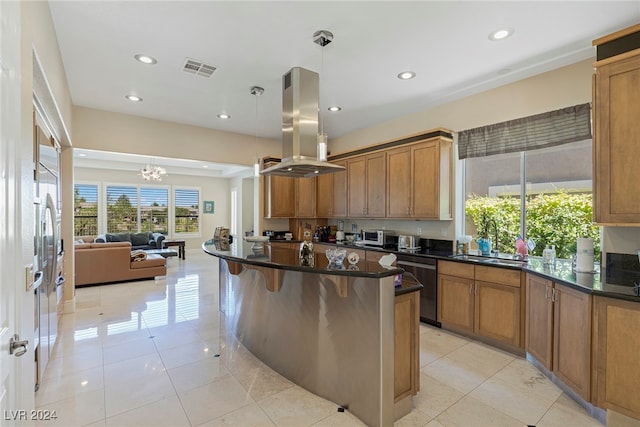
156	353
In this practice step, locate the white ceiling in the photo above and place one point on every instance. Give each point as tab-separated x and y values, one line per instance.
256	42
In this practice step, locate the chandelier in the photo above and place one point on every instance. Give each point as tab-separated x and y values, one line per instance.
152	172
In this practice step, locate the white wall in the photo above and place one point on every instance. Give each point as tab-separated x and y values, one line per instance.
215	189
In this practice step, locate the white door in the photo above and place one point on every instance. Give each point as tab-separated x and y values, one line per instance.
11	278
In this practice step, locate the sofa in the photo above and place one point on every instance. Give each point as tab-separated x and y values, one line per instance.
144	240
97	263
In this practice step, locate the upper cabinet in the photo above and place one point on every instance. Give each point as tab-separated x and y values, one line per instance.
305	197
332	194
366	186
616	143
419	180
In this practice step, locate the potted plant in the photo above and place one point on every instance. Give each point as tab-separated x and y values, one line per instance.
483	240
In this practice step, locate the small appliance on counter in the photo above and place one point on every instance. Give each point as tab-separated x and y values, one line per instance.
408	243
379	238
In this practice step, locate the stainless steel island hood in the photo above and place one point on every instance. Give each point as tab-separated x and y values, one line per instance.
300	100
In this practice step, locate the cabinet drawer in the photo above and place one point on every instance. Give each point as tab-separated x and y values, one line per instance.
458	269
503	276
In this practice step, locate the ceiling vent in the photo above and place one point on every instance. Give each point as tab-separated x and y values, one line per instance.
198	68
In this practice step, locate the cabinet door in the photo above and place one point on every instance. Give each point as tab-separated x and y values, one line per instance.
497	312
407	345
617	349
324	195
455	302
615	145
399	183
572	339
376	185
356	180
305	197
539	323
426	180
279	200
340	190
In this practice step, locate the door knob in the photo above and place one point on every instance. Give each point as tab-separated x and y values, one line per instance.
17	347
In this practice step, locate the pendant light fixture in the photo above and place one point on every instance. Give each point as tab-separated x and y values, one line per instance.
152	172
256	91
322	38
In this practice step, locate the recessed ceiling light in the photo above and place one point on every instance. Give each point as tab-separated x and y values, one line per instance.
205	166
82	155
334	108
224	116
133	98
145	59
501	34
406	75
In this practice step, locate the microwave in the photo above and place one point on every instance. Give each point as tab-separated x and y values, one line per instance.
381	238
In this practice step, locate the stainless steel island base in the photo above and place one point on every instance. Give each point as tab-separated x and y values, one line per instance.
330	334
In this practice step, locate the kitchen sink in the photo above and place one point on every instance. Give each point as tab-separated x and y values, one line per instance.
506	260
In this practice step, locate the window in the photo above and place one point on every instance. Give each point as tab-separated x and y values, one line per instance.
154	209
122	209
187	208
545	194
85	210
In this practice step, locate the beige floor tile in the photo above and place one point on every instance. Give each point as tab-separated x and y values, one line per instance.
140	367
523	405
165	339
457	376
565	412
435	343
124	394
528	378
210	401
73	362
79	410
415	418
296	407
470	412
262	382
187	353
340	419
434	396
167	412
196	374
68	386
128	350
616	419
248	416
114	336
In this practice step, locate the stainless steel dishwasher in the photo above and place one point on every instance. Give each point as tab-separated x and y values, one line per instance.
425	271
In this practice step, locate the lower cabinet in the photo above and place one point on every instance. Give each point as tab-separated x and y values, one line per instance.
558	330
407	345
616	356
482	300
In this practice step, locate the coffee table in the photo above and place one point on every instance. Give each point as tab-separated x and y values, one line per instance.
176	242
166	253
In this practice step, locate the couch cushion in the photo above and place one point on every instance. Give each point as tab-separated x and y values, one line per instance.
111	245
140	239
118	237
82	246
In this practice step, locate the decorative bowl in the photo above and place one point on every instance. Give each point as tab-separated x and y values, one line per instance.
336	256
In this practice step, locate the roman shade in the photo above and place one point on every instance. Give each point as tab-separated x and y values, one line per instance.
548	129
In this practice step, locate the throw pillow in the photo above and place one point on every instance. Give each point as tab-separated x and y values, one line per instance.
139	239
118	237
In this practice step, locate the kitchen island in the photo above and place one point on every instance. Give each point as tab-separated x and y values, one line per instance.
345	332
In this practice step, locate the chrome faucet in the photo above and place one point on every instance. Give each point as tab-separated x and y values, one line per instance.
495	252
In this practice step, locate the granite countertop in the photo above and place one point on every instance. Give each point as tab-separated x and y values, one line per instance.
287	258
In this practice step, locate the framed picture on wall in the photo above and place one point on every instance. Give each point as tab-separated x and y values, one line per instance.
208	207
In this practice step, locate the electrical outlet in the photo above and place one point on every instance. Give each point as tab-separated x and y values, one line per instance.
419	231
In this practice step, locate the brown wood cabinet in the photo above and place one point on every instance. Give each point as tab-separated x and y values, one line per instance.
305	197
481	300
279	197
407	345
419	180
332	194
366	183
559	331
616	368
616	108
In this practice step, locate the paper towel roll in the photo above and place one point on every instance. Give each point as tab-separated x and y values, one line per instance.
584	255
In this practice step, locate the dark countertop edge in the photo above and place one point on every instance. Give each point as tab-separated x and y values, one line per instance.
408	289
314	270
